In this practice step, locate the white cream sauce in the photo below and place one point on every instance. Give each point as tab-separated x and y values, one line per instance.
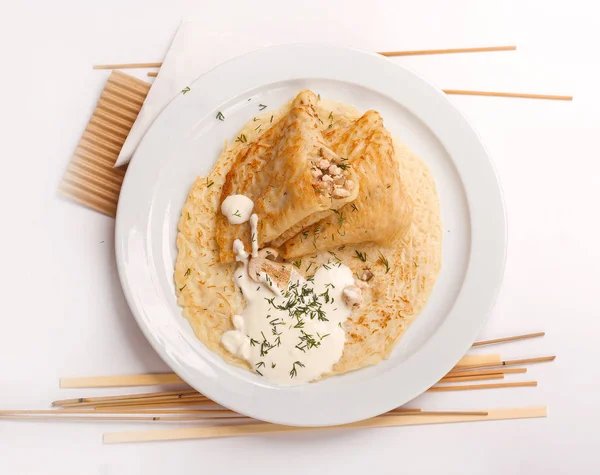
237	208
296	336
254	234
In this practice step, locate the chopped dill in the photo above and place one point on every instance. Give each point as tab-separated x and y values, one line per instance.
298	264
187	272
181	288
335	257
242	139
260	364
361	255
253	342
294	371
220	116
354	207
261	107
384	261
189	217
237	213
186	90
271	119
209	183
307	342
273	365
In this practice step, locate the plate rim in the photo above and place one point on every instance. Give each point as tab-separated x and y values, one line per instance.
495	235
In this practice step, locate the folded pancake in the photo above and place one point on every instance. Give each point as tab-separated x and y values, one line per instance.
292	177
382	211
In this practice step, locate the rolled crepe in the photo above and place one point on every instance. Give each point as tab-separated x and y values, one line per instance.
382	211
281	173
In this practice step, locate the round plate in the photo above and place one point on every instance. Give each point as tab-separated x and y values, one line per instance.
184	143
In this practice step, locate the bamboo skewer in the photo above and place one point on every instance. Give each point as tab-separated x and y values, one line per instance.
116	418
470	360
265	428
472	378
140	410
121	381
520	384
185	399
63	402
93	416
508	339
508	94
462	374
542	359
486	49
166	405
128	66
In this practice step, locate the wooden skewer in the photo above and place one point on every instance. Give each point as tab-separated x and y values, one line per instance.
128	66
472	378
485	49
438	413
62	402
507	339
265	428
121	381
508	94
462	374
186	398
93	416
152	74
470	360
164	405
114	418
468	387
448	51
542	359
141	410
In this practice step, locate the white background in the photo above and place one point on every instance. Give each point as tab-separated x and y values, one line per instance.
63	312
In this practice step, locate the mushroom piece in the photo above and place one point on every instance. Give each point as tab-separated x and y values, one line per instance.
323	164
265	269
365	275
316	172
352	296
339	192
334	170
361	284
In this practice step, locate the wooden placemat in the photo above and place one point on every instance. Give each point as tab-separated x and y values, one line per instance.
90	178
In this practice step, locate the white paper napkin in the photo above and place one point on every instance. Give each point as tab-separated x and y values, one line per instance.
193	52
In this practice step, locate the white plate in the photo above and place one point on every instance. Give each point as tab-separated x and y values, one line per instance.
185	141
